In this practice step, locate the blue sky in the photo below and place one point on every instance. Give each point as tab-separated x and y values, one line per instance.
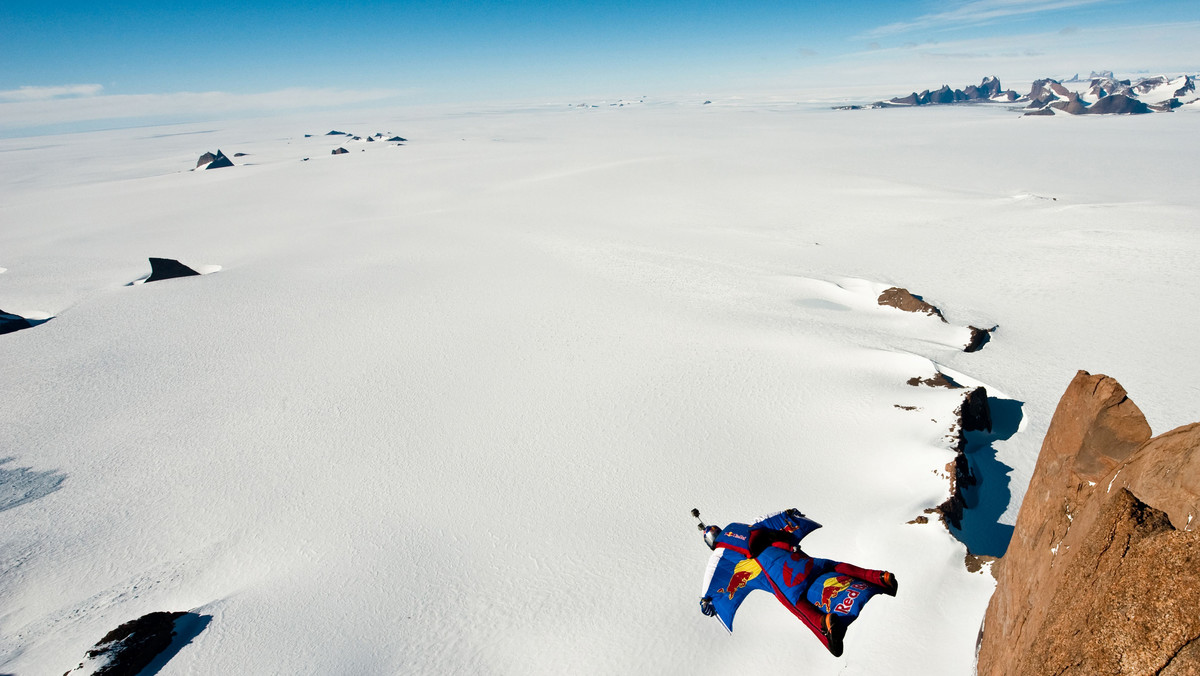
457	51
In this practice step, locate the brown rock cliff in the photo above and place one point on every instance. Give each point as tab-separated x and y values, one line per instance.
1102	574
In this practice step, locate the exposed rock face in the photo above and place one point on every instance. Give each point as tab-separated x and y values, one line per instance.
168	268
1189	85
1118	104
979	337
1072	105
340	151
220	161
205	159
397	139
10	322
973	414
1040	111
903	300
1102	575
938	379
128	649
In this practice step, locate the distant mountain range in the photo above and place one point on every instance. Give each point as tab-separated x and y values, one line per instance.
1101	94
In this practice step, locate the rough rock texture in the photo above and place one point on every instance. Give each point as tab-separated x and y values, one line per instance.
220	161
397	139
340	151
973	414
938	379
215	160
168	268
128	649
979	337
1072	105
903	300
1041	111
1118	104
1103	574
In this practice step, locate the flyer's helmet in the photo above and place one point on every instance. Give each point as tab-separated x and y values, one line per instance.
710	536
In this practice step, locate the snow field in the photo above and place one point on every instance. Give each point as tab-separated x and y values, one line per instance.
444	408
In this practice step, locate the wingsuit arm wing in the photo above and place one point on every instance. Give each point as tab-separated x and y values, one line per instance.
791	521
729	579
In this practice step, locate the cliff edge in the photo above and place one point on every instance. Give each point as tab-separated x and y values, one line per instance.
1102	575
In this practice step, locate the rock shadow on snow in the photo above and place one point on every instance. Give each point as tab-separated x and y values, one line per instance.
22	485
987	495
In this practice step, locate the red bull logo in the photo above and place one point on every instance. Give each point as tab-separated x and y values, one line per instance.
833	586
743	572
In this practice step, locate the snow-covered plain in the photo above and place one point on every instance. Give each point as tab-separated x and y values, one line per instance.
444	408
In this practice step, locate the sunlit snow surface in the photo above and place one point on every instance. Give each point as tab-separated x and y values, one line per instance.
444	408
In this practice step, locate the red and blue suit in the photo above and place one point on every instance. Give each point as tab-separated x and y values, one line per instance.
826	595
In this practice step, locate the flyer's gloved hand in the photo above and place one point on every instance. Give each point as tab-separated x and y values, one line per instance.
706	606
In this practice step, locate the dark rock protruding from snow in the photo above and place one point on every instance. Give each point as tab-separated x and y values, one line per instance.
938	379
335	132
979	337
10	322
214	160
975	414
168	268
340	151
220	161
1072	105
1189	85
131	647
903	300
1118	104
397	139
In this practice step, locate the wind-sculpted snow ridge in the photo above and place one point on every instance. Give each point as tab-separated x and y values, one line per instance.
977	491
1100	95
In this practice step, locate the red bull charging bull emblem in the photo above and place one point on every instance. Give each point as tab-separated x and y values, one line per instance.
743	572
836	585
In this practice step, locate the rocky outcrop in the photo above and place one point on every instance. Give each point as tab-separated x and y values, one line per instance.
1073	105
340	151
1118	104
128	649
1102	575
215	160
903	300
168	268
979	338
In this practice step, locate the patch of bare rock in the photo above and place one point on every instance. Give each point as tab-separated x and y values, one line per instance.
1102	575
901	299
131	647
216	160
168	268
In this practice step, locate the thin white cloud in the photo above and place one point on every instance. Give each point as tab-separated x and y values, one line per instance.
44	93
18	113
974	13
